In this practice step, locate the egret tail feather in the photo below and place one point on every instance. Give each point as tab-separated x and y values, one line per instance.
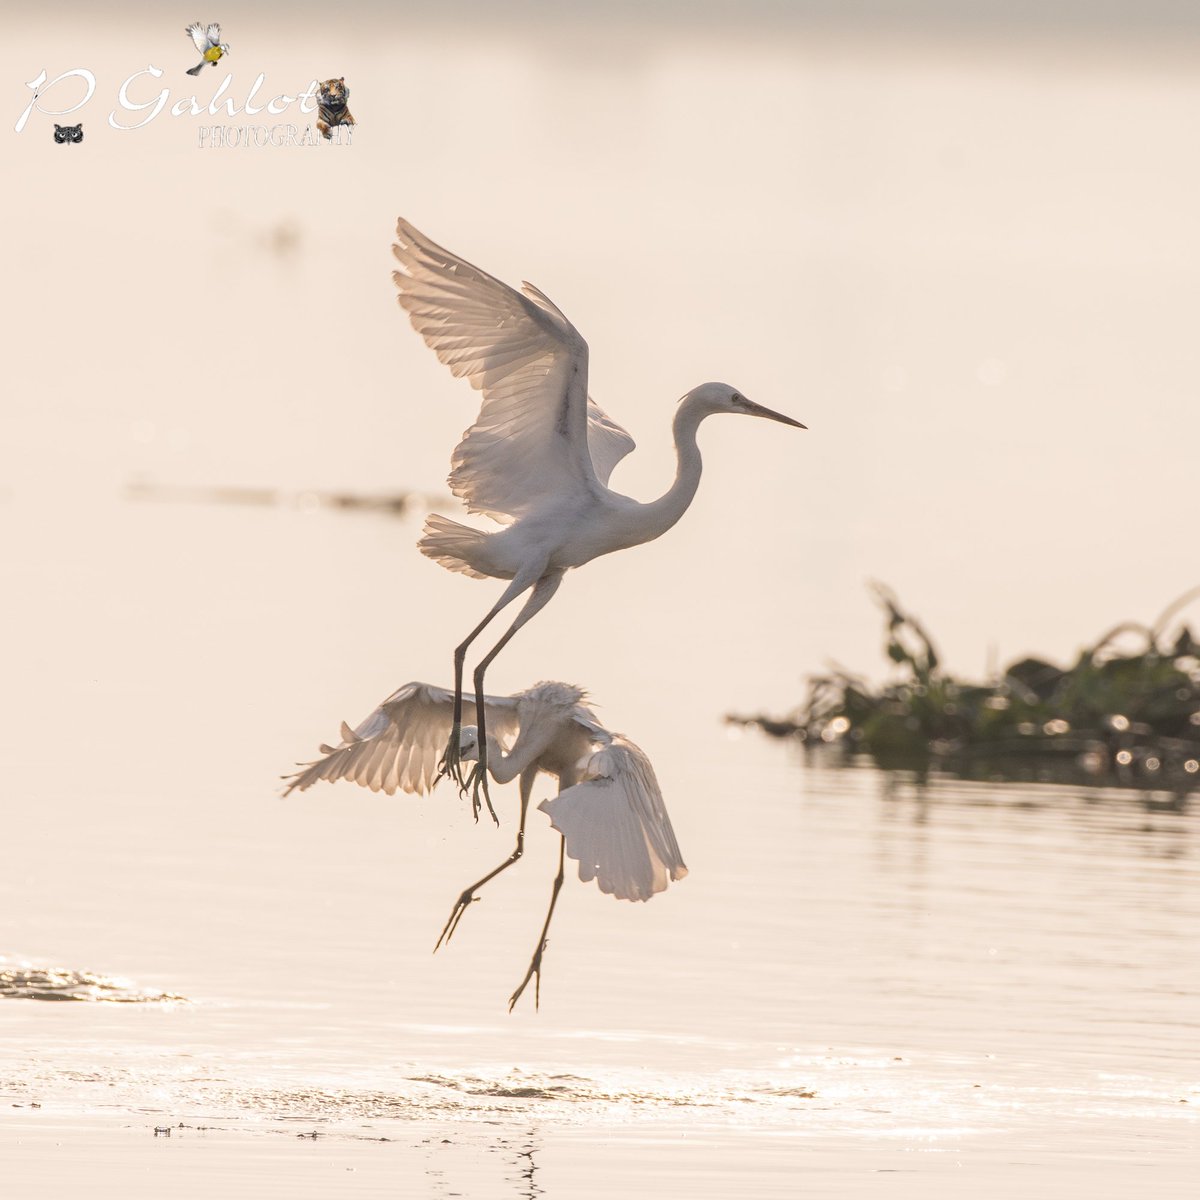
456	547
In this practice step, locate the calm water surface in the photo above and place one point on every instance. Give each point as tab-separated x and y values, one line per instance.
858	976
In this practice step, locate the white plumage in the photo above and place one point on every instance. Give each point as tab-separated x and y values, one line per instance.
205	39
530	364
609	808
615	824
539	455
397	747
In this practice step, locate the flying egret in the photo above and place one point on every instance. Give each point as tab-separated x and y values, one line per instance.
539	455
609	809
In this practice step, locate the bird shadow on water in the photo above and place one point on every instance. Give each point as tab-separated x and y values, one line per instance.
521	1165
517	1150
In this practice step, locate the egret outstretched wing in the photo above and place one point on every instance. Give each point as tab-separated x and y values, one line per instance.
616	825
530	442
398	746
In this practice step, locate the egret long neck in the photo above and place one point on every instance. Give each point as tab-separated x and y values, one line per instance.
528	748
662	513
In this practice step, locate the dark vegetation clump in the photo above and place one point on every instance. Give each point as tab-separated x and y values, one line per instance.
1126	713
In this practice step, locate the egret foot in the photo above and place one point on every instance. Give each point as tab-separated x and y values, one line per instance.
535	963
456	914
450	764
534	973
477	782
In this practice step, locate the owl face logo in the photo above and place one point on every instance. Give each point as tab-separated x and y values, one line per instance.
68	133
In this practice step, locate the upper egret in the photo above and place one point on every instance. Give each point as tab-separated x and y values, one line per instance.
540	453
609	809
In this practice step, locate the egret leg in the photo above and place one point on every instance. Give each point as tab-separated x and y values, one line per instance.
477	781
468	896
535	964
451	763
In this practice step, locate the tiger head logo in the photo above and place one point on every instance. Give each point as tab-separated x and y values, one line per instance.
334	93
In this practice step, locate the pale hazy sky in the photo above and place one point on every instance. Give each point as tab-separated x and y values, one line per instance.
969	269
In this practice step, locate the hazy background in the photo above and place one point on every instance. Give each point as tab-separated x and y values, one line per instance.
967	261
959	242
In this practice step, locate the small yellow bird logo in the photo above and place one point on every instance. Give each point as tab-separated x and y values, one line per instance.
208	42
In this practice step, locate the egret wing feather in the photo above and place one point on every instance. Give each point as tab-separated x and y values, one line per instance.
608	442
530	442
397	746
615	824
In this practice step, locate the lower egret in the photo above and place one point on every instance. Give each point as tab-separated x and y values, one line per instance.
609	809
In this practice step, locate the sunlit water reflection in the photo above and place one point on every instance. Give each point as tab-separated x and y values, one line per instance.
1002	975
858	975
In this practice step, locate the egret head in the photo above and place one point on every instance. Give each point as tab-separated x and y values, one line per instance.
721	398
468	743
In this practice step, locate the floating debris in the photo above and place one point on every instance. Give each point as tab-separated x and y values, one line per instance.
23	981
1124	717
396	504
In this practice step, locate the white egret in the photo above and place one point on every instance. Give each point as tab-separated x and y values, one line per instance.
609	809
540	453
